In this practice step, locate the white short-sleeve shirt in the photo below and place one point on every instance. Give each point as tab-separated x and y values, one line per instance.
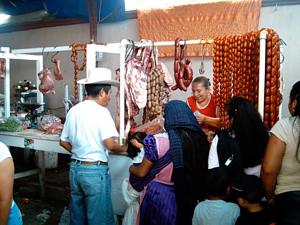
213	159
87	125
287	130
4	152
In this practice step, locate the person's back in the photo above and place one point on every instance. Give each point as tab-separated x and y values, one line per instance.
89	125
249	192
215	210
189	149
261	217
89	132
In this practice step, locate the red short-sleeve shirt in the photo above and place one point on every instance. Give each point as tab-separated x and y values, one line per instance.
209	110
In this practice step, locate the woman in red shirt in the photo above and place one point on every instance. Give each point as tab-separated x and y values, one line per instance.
203	105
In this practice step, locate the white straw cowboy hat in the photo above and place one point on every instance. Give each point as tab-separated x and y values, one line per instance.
99	76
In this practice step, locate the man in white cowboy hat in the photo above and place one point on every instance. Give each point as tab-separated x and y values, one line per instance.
88	134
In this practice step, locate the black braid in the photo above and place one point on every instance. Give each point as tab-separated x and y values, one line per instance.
295	95
297	114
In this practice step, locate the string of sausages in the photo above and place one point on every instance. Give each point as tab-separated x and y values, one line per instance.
155	84
77	67
272	91
236	72
183	72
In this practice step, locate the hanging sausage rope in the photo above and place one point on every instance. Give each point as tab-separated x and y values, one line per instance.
236	72
155	84
77	67
183	72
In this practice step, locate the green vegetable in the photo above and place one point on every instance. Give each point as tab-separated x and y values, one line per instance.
11	124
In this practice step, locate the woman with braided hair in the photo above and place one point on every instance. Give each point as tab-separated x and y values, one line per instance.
281	164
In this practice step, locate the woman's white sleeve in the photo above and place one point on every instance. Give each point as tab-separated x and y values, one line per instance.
213	159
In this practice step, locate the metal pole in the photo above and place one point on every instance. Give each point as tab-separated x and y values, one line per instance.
40	50
123	45
6	84
171	43
80	92
281	79
40	96
66	100
262	73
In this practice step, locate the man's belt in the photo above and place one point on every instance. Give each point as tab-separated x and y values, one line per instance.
97	163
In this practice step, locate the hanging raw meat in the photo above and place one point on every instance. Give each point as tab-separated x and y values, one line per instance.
47	84
168	82
57	69
137	69
2	68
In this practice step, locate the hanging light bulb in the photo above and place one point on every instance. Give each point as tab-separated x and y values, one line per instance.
3	18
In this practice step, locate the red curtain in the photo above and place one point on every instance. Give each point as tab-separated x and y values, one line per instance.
190	22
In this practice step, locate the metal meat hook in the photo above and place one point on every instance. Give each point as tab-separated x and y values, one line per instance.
201	69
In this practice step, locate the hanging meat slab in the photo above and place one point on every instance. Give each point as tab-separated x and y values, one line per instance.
57	70
2	68
47	84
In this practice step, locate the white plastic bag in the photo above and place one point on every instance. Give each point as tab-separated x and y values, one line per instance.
50	124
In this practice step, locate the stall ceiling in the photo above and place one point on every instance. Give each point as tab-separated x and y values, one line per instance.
30	14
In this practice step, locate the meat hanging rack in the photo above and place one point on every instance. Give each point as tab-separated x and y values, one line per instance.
120	48
125	43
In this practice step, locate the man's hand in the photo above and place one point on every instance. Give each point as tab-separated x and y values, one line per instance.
66	145
113	146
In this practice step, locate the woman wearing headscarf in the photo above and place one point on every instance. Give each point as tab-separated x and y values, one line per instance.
189	153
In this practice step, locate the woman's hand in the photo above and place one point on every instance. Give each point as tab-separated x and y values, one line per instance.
201	118
212	121
270	198
137	144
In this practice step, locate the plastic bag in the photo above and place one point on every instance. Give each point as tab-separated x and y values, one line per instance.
50	124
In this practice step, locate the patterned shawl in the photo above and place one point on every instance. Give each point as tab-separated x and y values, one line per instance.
178	116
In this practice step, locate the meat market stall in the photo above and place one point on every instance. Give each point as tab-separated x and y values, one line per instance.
262	42
49	143
255	61
29	138
261	46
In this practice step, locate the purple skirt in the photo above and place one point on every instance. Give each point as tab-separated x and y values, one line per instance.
159	205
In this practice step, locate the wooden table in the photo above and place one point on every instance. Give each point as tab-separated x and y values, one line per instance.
37	140
118	164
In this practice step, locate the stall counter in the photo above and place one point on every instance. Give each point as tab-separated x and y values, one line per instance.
38	140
